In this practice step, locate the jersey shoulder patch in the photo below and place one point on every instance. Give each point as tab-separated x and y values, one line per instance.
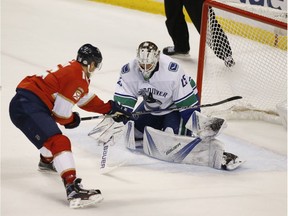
173	67
125	69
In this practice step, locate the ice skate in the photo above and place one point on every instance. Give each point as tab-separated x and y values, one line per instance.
231	161
170	51
46	167
79	197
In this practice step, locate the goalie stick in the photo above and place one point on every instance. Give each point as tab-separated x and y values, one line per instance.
104	133
169	109
105	166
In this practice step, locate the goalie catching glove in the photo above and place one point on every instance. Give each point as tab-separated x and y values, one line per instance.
119	113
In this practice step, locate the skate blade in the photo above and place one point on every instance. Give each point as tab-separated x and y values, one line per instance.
78	203
234	166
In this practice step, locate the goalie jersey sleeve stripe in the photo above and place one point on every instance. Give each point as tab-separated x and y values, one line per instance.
126	100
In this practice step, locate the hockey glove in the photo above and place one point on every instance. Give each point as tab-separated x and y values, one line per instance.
75	123
119	112
120	118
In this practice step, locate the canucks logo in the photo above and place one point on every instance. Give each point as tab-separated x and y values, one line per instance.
125	69
148	97
173	67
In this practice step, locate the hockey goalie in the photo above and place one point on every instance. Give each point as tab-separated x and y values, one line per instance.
181	135
201	148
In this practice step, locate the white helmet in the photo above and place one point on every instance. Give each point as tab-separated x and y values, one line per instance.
147	57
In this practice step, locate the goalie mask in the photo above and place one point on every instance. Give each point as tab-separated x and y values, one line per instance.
147	57
88	54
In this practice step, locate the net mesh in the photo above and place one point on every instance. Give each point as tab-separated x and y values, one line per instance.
259	74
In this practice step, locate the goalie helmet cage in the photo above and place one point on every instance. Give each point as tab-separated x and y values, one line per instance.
258	39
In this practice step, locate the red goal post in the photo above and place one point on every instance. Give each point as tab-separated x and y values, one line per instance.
258	39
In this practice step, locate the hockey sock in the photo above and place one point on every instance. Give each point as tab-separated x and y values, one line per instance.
68	177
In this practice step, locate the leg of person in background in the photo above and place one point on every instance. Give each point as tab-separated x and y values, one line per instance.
177	28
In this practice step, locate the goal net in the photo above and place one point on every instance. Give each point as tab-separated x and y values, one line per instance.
243	51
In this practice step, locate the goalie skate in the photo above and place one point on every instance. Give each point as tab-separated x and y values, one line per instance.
79	197
231	161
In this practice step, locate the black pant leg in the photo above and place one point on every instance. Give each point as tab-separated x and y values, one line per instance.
176	24
194	10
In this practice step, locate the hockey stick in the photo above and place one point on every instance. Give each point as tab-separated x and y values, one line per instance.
104	134
109	149
169	109
188	107
93	117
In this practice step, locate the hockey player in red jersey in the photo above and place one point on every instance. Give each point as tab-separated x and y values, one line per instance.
43	101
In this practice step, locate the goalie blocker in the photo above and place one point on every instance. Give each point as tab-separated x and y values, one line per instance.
182	149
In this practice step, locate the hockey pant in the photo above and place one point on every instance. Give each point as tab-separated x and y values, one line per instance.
161	122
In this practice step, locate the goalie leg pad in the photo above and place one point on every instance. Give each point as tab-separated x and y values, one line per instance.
128	135
131	135
205	127
216	150
181	149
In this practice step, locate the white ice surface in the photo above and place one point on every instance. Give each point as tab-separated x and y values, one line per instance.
38	34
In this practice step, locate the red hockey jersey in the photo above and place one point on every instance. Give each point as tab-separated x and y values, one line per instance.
61	89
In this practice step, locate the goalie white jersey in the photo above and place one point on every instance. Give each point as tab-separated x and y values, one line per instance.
168	87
